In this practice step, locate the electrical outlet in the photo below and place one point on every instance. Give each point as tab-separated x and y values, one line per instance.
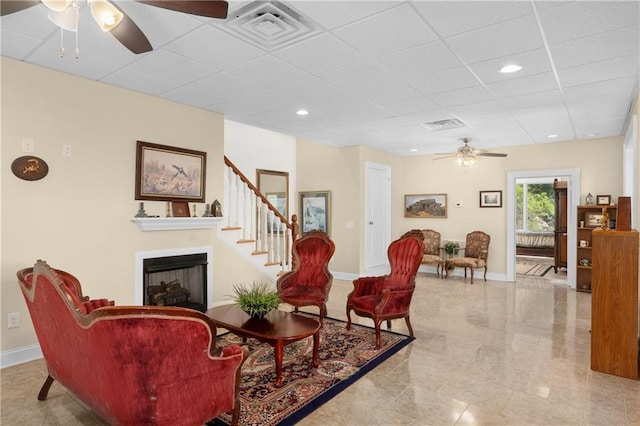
27	145
13	320
66	150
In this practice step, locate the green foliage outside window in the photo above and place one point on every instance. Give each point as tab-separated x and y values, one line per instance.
540	207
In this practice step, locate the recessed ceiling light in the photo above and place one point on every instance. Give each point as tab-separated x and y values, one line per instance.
510	68
590	135
414	150
552	136
302	112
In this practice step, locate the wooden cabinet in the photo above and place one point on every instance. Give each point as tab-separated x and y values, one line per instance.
560	225
588	221
614	303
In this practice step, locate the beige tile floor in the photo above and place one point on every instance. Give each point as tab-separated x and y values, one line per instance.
491	353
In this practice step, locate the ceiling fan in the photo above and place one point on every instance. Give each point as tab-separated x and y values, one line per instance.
466	154
113	19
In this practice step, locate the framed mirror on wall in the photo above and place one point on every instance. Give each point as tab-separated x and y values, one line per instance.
274	185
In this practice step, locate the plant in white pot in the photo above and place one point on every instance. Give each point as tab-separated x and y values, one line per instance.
256	299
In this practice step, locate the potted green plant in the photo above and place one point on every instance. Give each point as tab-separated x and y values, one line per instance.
256	299
451	248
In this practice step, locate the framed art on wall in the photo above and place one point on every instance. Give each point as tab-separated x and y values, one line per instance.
169	173
425	206
315	211
490	198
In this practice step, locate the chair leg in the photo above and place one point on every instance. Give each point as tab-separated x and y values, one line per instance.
406	319
348	326
485	273
471	274
235	414
44	390
388	324
378	338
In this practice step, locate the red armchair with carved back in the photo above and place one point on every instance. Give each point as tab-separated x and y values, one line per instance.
308	284
389	297
133	365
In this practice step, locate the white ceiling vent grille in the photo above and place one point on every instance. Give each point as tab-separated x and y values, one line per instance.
270	25
451	123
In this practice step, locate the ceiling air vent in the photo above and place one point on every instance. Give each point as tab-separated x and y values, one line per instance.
269	25
450	123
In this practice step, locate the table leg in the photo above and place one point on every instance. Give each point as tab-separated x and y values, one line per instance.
278	350
316	347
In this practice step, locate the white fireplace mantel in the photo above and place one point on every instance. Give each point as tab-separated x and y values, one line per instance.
175	223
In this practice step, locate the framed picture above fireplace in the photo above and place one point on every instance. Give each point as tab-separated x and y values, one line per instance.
166	173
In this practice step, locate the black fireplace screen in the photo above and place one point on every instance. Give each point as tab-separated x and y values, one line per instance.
176	281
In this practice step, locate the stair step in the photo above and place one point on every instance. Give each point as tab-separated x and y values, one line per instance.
257	252
271	263
245	241
231	228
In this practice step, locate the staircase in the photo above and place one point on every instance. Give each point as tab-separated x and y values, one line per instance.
253	227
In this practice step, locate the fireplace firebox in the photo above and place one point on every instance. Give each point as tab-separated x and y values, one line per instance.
176	281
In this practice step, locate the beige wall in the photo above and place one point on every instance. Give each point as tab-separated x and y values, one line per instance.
78	217
341	170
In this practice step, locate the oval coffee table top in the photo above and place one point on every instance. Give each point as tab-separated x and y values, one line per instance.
276	325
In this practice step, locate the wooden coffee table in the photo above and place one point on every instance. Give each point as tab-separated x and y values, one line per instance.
278	329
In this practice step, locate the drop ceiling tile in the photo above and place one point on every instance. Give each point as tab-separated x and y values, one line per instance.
334	14
388	31
423	59
532	62
319	54
620	87
309	89
343	103
370	81
495	41
524	86
285	116
470	95
192	95
452	17
481	108
15	45
268	72
214	47
161	26
597	109
580	19
410	106
140	82
444	81
32	21
600	128
599	71
539	99
166	64
227	86
600	47
540	122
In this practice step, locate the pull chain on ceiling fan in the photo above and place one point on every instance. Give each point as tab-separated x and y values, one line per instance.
466	155
112	19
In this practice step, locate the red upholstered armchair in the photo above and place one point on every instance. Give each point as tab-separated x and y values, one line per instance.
310	280
133	365
388	297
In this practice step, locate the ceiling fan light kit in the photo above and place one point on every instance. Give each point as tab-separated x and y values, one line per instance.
112	19
466	156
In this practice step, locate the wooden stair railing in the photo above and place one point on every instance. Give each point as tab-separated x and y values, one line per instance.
248	210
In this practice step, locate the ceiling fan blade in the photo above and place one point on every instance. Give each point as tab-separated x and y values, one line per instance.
445	156
130	35
207	8
7	7
491	154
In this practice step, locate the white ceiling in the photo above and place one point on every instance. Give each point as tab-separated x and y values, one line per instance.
371	72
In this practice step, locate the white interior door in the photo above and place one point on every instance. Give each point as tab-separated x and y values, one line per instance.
378	214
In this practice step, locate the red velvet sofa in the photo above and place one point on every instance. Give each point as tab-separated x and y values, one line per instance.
133	365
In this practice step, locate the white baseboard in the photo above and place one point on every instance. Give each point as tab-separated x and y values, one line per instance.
20	355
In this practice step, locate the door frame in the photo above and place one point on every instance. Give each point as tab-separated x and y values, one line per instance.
573	200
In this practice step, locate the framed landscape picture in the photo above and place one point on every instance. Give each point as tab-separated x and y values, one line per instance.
425	206
490	198
169	173
315	211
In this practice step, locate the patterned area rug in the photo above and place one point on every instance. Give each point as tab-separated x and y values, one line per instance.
345	356
533	269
